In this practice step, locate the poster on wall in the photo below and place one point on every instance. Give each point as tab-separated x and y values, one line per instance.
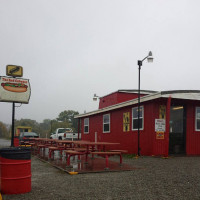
160	135
160	128
160	125
162	112
126	122
14	90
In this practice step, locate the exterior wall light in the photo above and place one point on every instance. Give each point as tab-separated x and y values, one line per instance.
95	97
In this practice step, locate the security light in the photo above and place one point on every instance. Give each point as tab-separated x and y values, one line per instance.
95	97
150	57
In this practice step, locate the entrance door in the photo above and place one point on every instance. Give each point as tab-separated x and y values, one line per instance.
177	133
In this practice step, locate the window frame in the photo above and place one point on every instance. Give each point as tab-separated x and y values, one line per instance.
106	123
142	128
86	125
198	107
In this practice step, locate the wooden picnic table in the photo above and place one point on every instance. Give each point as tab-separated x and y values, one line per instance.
90	146
75	148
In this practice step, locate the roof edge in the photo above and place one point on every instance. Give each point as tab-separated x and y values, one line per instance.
163	94
120	105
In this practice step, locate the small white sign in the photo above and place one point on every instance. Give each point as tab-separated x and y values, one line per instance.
160	125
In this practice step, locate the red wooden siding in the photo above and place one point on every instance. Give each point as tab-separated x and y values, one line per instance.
128	140
192	136
148	143
115	98
108	100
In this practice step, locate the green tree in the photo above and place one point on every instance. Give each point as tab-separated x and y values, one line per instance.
4	133
46	125
59	124
68	116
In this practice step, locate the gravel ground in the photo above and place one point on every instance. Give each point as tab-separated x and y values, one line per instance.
157	178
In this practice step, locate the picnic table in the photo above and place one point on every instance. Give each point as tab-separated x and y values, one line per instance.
79	148
93	148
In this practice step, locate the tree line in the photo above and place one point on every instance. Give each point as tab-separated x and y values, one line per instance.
64	120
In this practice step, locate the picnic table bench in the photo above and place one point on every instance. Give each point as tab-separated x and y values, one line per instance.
106	154
56	148
70	153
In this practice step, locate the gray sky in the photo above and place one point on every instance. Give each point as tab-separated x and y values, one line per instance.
71	49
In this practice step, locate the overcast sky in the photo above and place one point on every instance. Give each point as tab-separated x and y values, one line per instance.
71	49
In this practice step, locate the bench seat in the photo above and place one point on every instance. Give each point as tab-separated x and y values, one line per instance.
122	151
80	149
70	153
107	154
58	148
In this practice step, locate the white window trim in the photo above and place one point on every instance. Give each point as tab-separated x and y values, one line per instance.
137	118
106	123
86	125
196	119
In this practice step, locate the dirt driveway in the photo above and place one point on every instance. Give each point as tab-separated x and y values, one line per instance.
157	178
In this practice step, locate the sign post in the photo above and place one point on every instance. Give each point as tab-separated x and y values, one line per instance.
13	124
15	90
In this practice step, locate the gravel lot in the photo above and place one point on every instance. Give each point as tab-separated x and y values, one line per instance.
157	178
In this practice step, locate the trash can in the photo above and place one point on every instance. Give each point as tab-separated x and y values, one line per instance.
15	170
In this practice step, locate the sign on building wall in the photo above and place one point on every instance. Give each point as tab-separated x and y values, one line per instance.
126	122
160	125
162	112
160	135
14	90
160	128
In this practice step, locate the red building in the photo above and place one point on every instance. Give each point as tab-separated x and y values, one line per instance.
169	122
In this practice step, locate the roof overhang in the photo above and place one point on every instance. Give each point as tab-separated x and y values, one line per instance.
176	94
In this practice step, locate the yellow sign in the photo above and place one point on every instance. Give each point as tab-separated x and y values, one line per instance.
0	197
162	112
126	121
160	135
14	70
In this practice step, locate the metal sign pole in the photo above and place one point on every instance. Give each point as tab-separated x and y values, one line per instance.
13	124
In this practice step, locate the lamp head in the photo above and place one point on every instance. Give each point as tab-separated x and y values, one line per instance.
95	97
150	57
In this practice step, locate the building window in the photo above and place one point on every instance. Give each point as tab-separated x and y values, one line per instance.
106	123
197	119
86	125
135	118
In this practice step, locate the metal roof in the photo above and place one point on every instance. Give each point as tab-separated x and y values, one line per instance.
177	94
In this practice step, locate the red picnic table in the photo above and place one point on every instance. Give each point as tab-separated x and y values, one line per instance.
90	149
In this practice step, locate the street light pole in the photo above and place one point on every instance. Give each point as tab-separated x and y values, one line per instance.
150	59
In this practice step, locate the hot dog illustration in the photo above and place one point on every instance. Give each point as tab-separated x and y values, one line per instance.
15	87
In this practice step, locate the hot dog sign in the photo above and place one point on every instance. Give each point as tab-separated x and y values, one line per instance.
14	90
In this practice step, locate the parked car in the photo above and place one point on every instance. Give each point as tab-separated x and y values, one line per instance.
25	136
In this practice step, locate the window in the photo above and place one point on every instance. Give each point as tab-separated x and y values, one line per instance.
197	119
86	125
106	123
135	118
